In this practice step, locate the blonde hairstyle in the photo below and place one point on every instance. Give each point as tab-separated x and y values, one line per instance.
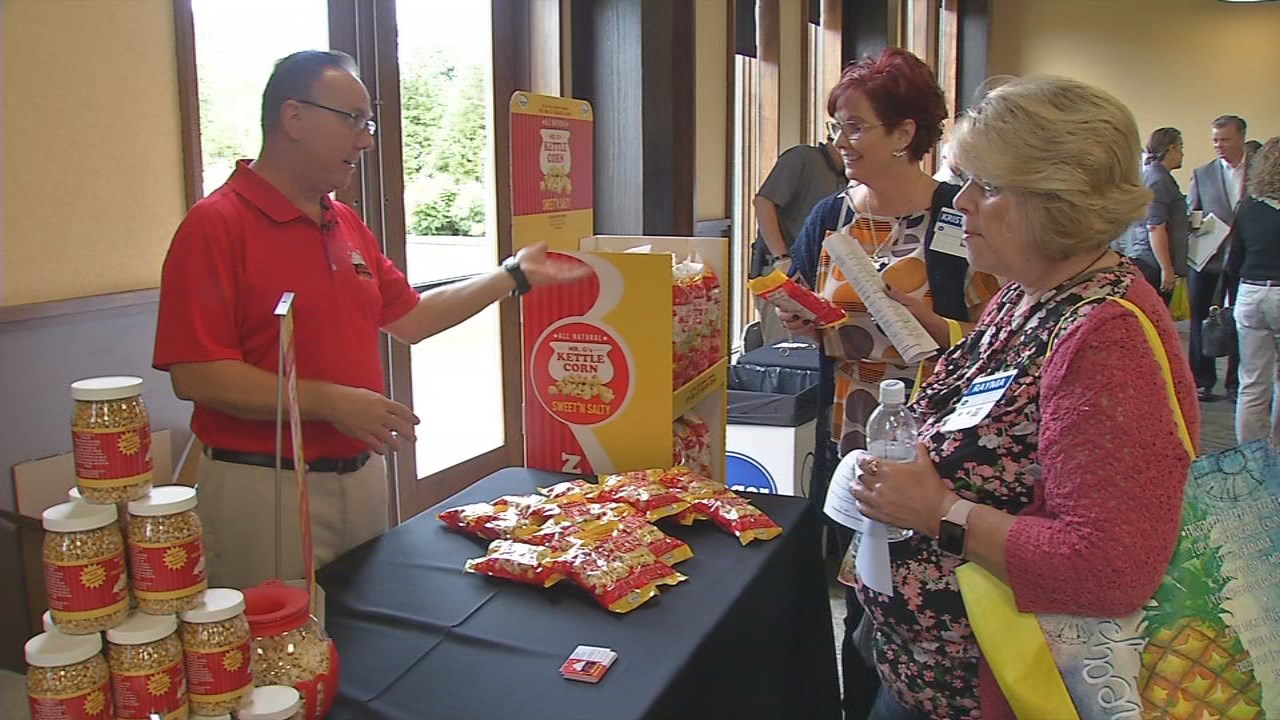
1264	171
1071	153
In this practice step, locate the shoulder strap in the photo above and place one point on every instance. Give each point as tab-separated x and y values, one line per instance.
846	208
1157	349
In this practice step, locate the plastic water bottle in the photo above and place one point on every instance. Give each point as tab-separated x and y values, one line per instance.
891	434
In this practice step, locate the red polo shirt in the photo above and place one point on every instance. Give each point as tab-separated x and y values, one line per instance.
236	252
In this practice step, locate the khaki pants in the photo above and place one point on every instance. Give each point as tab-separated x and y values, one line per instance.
239	513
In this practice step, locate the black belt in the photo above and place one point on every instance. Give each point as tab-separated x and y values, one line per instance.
341	466
1261	283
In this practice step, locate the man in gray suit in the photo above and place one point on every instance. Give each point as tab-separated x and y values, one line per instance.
1216	187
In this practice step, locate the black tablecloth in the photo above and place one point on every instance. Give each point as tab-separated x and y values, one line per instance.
747	636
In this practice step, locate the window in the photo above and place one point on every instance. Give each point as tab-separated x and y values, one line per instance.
446	113
236	44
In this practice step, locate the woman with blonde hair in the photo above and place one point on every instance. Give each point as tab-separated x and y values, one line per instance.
1068	487
1255	259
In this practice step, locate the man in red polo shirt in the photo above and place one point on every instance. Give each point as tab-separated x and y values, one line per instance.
272	228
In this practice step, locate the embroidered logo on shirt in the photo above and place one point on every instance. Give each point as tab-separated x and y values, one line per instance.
357	262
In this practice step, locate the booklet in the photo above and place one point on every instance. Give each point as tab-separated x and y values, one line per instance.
902	328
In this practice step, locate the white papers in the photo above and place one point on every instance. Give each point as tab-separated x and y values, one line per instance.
873	558
872	561
906	333
840	504
1204	243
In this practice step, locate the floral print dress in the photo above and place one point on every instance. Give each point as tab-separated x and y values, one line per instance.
925	650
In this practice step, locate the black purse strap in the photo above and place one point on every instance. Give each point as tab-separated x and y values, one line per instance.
1220	291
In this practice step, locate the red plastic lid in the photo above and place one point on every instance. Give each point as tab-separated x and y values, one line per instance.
274	608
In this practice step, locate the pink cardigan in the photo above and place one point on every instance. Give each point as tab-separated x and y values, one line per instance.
1102	528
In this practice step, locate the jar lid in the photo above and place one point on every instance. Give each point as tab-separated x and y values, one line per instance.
78	516
73	495
217	605
116	387
165	500
271	702
58	650
273	608
46	621
142	628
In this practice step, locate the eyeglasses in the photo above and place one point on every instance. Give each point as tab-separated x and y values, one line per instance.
851	129
988	190
358	121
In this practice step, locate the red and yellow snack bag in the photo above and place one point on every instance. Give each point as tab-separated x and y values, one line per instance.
516	561
692	443
790	296
620	572
571	491
643	491
709	499
578	522
669	550
691	486
697	308
470	519
507	517
738	516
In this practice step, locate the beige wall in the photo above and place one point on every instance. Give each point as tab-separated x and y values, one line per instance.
713	121
92	169
1176	63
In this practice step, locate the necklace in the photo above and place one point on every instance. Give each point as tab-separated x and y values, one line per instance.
1030	301
877	244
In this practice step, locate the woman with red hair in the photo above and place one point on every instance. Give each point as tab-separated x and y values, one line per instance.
886	114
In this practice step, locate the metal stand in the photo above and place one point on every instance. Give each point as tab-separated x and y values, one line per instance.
282	310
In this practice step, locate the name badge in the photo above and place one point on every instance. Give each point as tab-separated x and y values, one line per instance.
978	399
948	233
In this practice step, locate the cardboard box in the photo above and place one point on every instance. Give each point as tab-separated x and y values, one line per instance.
599	365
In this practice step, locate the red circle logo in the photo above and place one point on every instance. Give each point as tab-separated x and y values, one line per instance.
580	373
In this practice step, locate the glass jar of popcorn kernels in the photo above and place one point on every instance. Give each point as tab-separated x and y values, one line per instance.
166	550
111	438
147	675
289	646
67	677
84	568
215	642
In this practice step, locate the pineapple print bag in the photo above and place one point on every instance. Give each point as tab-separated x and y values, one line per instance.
1182	656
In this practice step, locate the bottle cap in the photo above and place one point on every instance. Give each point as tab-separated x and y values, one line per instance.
165	500
142	628
78	517
217	605
892	392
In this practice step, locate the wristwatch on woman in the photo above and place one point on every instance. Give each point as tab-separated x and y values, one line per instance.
512	266
954	529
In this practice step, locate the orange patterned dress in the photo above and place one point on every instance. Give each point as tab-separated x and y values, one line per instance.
864	355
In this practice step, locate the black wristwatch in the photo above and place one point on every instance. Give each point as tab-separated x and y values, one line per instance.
954	529
512	265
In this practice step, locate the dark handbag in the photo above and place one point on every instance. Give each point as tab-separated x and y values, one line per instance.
1218	331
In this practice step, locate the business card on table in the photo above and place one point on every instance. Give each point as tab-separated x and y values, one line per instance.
588	663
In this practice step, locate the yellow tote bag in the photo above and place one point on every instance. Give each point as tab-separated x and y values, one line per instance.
1012	642
1180	305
